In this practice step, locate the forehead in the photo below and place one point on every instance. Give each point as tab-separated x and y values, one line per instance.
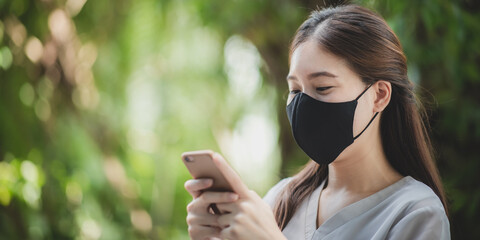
310	57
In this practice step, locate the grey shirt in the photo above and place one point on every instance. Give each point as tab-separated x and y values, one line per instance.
407	209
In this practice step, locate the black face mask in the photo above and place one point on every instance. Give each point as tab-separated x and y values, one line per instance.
322	129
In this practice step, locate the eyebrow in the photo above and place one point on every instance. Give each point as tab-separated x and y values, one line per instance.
314	75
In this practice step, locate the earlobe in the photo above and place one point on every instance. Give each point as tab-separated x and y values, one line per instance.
383	93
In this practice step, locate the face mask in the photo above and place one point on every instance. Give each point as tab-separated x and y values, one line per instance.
322	129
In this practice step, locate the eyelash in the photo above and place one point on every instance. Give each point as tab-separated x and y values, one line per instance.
321	89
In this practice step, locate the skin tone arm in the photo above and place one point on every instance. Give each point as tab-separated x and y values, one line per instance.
244	214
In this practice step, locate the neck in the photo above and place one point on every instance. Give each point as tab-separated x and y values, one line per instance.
365	171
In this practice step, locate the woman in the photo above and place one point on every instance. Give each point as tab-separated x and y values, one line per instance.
353	111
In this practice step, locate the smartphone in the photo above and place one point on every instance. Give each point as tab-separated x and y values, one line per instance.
200	165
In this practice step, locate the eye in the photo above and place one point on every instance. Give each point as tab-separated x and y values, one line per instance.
321	89
294	92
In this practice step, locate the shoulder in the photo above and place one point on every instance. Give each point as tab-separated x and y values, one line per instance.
420	213
427	222
272	194
412	195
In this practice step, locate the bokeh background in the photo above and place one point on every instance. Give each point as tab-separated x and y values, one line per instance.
99	98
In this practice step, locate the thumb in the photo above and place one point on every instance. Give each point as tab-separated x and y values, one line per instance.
231	176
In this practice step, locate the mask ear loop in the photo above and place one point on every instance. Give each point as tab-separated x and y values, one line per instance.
363	92
371	120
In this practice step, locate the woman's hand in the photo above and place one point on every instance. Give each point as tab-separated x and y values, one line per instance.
247	218
202	224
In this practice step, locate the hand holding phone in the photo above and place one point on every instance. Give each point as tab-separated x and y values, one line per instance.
201	165
258	219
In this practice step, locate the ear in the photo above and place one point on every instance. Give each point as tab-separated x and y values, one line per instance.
383	93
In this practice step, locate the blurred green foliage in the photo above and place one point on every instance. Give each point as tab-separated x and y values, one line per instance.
100	98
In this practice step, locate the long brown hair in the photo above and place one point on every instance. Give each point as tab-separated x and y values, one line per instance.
373	51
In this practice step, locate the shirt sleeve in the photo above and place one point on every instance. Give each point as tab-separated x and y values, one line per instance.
424	223
272	194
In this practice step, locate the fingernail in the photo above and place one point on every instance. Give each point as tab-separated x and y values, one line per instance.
232	196
208	182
